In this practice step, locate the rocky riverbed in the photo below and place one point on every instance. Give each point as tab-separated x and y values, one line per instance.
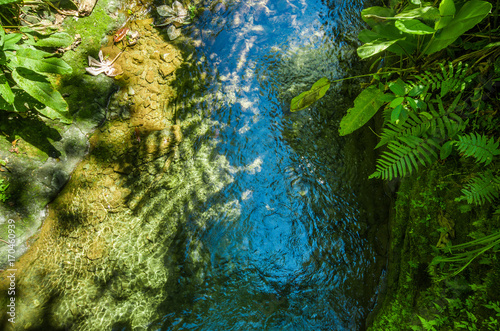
95	261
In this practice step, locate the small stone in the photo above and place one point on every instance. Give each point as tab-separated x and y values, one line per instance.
138	58
166	70
150	76
131	91
155	55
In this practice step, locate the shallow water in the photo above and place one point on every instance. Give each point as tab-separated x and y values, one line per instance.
280	224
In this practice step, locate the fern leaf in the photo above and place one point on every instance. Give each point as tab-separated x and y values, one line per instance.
404	157
478	146
485	187
443	124
448	80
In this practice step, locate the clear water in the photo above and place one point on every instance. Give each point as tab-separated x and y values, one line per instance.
285	241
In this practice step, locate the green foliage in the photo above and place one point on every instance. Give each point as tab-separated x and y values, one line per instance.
307	98
410	31
405	155
471	13
478	146
24	83
3	187
451	80
484	187
4	2
192	11
366	105
463	254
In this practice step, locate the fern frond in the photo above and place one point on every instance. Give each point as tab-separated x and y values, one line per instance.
451	79
443	123
485	187
404	157
478	146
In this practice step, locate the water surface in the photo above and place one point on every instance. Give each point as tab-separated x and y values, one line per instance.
279	229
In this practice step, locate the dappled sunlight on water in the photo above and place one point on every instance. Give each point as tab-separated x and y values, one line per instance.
284	243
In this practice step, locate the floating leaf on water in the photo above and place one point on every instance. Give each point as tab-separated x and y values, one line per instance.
179	9
173	33
176	14
165	11
307	98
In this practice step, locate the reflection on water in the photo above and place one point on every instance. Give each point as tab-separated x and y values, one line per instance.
283	244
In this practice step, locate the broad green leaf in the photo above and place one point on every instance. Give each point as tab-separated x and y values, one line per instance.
58	39
447	12
446	150
408	45
365	107
367	36
396	102
388	30
387	97
370	49
471	13
11	40
39	87
428	13
412	103
307	98
5	90
398	87
40	61
396	112
376	14
53	114
22	102
414	27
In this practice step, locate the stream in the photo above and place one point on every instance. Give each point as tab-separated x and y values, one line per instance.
282	224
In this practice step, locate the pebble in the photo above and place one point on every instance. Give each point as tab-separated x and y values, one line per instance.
166	70
150	76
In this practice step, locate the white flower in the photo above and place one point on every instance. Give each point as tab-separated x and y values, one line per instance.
102	66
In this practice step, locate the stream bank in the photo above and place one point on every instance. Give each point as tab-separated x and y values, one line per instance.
75	251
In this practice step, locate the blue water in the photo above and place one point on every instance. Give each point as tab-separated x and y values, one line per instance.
284	244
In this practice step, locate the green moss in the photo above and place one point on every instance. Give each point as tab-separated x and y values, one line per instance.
91	29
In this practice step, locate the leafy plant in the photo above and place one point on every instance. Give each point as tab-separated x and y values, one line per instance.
463	254
192	11
366	105
24	80
484	187
418	30
449	80
404	156
478	146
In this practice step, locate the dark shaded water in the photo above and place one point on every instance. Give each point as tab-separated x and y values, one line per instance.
287	241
